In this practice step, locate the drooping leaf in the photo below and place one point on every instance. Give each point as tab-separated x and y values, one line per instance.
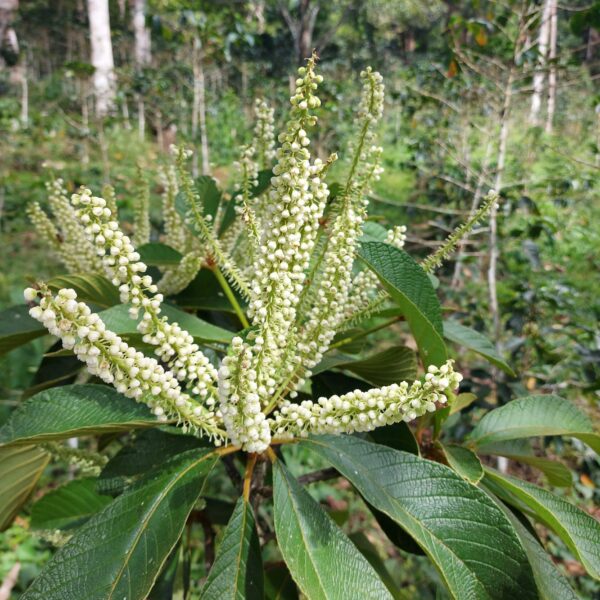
577	529
90	287
322	560
551	584
156	254
120	551
464	462
411	289
17	328
470	541
117	319
149	449
462	401
20	470
68	506
473	340
237	572
535	416
73	410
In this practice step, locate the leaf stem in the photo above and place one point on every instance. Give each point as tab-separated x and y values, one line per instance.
231	297
248	475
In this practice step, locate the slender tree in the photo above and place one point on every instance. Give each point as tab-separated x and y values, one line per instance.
104	80
539	76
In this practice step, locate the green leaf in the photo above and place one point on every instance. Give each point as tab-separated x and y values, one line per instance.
551	583
373	232
17	328
210	194
149	449
20	470
462	401
279	584
120	552
73	410
464	462
535	416
92	288
577	529
473	340
237	572
68	506
117	319
156	254
322	560
392	365
556	473
204	293
464	533
411	289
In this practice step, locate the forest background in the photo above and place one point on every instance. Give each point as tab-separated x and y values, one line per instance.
480	95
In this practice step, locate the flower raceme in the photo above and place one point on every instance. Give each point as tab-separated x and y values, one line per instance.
296	270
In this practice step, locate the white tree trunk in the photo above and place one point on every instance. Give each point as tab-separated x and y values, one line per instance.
539	76
142	36
552	77
102	56
199	110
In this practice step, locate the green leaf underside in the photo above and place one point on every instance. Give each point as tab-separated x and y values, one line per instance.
551	583
156	254
322	560
17	328
89	287
68	506
392	365
465	534
20	470
150	448
74	410
535	416
473	340
464	462
117	319
119	552
411	289
578	530
237	573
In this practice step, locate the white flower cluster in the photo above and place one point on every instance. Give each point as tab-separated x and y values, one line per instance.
111	359
264	133
290	259
367	410
123	266
141	211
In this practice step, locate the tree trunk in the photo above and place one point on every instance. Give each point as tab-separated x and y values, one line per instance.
199	110
539	76
142	36
102	56
552	77
302	28
8	37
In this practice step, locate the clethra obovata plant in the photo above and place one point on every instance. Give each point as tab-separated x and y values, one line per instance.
243	346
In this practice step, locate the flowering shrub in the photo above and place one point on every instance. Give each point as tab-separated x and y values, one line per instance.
304	276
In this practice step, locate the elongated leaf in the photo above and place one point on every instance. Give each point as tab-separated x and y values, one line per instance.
464	462
72	410
322	560
533	416
577	529
90	287
464	533
120	552
411	289
398	436
204	293
159	255
473	340
117	319
20	470
18	328
237	572
68	506
150	448
551	584
210	194
373	232
462	401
